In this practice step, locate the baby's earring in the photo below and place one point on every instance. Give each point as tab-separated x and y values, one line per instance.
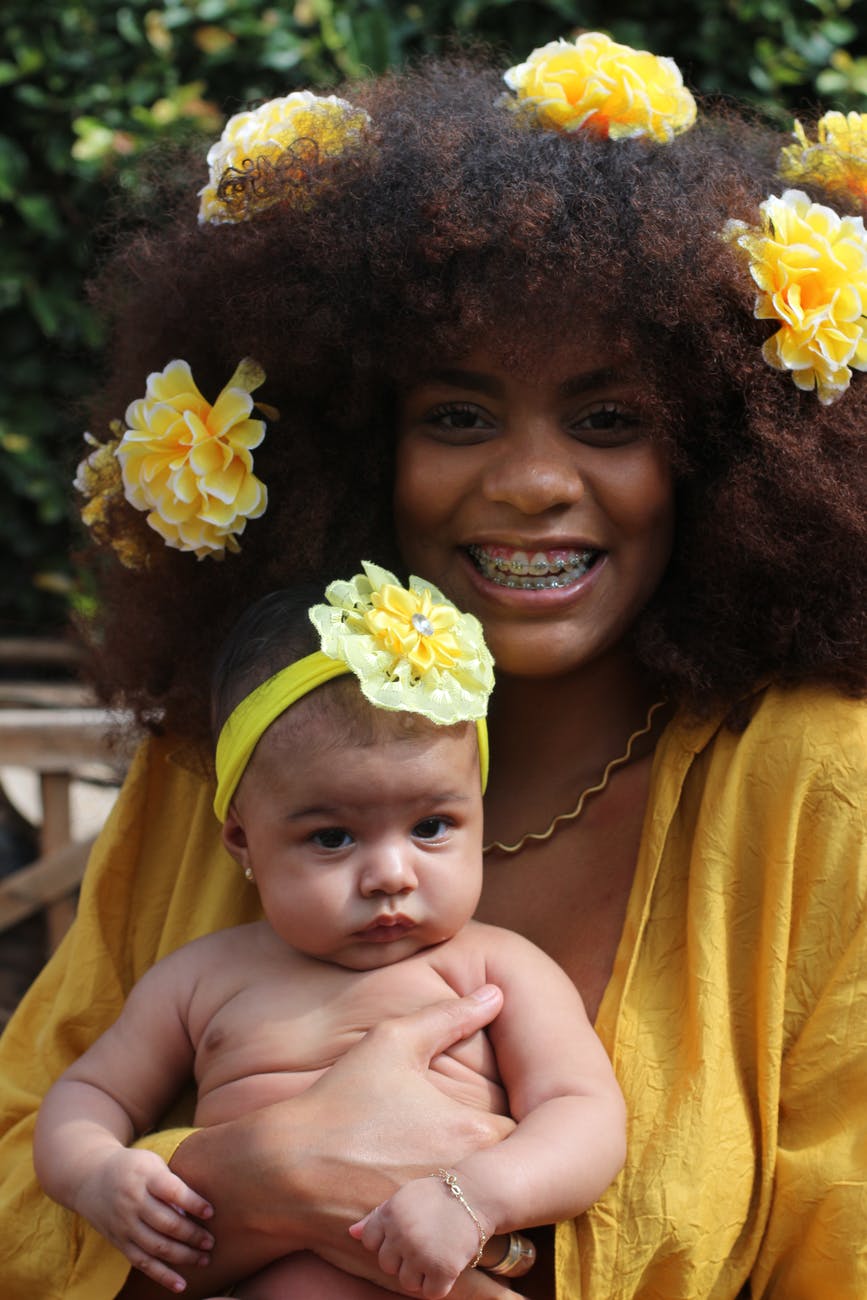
248	873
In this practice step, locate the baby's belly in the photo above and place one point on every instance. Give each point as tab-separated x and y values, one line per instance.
238	1097
279	1035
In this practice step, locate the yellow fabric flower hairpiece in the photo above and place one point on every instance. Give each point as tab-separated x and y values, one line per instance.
410	649
836	160
188	464
810	266
279	140
595	84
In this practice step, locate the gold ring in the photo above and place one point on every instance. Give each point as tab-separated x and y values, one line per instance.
519	1258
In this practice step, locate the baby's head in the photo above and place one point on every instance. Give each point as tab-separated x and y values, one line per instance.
361	824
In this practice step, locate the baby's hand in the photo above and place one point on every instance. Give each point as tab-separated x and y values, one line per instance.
423	1236
141	1207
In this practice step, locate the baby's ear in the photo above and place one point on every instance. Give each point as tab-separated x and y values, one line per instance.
235	838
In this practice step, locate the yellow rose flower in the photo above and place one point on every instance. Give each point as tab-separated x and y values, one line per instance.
189	464
598	85
810	265
837	159
410	649
283	136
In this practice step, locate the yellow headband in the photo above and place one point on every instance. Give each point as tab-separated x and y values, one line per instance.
252	717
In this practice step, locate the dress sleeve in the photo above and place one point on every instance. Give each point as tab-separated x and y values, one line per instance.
137	902
814	1243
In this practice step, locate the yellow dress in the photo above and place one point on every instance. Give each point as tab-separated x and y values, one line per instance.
736	1016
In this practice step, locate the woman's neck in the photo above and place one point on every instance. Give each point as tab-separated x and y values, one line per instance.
551	737
567	888
562	731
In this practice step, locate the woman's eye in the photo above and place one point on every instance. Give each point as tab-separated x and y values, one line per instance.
608	422
430	828
458	421
332	837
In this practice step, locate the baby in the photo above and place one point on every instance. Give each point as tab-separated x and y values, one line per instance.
350	791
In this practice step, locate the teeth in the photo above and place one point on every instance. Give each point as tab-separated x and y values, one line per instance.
536	572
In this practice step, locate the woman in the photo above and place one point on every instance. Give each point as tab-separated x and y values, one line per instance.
620	437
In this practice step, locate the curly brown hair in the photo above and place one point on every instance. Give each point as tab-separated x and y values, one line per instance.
450	221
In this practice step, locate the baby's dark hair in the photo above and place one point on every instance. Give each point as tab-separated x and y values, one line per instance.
271	634
275	632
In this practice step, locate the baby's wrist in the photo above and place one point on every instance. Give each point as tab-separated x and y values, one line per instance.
462	1190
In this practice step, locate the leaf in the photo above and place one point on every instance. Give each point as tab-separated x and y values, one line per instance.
39	213
14	166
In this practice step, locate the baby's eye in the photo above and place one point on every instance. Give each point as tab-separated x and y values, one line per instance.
430	828
332	837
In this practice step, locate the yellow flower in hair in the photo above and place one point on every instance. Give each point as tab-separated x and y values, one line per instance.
597	85
411	649
189	464
836	160
810	265
98	475
98	478
267	152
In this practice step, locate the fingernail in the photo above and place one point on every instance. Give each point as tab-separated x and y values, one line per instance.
487	993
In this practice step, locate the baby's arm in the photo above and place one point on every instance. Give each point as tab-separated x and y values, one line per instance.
116	1090
568	1146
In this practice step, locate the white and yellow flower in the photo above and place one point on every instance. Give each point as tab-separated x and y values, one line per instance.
99	479
188	464
836	159
597	85
284	136
810	266
410	649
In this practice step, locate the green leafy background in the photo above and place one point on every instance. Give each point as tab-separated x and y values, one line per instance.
85	88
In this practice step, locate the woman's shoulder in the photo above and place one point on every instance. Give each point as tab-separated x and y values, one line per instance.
814	730
789	787
815	712
164	769
809	726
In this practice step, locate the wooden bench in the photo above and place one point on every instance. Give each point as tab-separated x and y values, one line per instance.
54	730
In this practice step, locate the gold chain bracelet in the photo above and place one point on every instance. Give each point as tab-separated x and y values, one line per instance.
453	1185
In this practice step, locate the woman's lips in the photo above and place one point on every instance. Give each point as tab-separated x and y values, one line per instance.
533	569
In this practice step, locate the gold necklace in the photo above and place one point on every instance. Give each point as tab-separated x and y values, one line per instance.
585	794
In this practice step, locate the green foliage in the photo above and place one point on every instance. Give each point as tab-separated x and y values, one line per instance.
87	85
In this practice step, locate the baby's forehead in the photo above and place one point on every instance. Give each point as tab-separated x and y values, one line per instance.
338	716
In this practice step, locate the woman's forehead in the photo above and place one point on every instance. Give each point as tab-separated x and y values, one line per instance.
596	357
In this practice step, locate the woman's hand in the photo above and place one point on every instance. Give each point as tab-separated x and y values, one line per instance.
295	1175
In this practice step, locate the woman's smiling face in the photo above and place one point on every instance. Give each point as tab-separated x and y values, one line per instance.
539	502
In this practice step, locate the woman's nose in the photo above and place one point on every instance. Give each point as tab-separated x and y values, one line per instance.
388	870
535	473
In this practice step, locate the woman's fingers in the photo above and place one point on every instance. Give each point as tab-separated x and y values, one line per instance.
476	1284
294	1175
419	1037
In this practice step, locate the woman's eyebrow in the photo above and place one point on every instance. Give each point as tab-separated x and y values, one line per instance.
591	379
491	385
476	380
